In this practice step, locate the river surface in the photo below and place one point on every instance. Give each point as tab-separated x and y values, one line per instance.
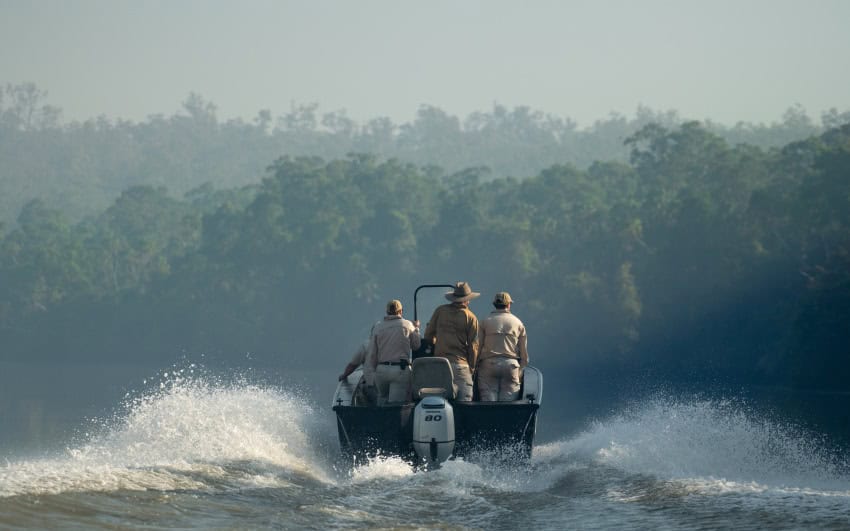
188	450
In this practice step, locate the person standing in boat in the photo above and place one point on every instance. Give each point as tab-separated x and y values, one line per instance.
364	392
357	360
453	330
388	354
503	352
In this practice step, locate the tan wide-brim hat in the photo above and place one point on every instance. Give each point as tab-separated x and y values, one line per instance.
461	293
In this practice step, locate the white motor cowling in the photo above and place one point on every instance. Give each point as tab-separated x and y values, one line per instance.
433	429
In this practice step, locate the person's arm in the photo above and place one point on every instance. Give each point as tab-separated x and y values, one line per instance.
371	354
472	342
415	338
357	360
482	333
431	329
347	372
523	347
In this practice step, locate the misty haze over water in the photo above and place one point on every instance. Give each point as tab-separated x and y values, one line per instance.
205	206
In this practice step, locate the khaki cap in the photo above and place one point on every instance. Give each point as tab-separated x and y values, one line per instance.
503	298
393	307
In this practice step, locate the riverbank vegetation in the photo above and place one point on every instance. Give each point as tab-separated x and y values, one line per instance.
680	247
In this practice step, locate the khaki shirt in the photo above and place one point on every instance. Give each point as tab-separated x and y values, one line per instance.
503	334
392	339
453	329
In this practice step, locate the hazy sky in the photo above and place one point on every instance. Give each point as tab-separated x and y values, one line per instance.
724	60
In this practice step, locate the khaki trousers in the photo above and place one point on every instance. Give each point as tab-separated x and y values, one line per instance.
393	383
462	379
498	379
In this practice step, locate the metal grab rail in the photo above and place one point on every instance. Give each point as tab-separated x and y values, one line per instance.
416	294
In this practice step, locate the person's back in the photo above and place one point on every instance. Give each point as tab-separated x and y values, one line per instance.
394	338
502	354
455	328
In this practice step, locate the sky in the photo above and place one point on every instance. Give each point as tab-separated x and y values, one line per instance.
727	61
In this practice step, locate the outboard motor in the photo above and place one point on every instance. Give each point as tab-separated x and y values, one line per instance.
433	417
433	429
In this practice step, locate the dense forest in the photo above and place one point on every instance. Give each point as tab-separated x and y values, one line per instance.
82	167
686	248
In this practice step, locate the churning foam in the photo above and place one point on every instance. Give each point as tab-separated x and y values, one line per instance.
705	446
712	446
381	467
188	434
503	470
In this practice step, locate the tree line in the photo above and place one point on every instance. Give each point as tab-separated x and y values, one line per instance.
693	258
80	168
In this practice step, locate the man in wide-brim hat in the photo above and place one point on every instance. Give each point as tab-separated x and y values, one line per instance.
453	330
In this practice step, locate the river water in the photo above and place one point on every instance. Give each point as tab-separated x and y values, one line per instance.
192	451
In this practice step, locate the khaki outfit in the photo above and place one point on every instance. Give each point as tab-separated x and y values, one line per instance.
388	356
503	351
364	393
455	329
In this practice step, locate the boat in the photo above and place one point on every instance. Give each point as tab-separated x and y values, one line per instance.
433	427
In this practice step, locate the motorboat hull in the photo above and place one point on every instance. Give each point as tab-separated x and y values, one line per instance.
368	430
479	426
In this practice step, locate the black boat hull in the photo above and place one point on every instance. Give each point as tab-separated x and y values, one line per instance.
479	426
366	430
